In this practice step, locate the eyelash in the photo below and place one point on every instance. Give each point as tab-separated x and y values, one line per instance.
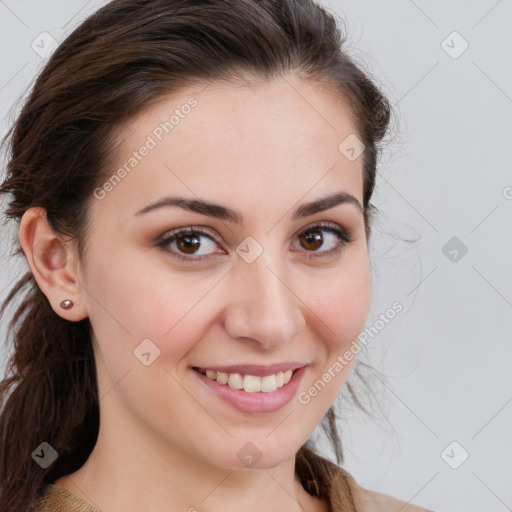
171	236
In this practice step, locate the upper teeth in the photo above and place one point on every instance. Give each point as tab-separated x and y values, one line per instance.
250	383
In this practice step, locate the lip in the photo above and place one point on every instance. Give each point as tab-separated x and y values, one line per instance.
254	369
258	402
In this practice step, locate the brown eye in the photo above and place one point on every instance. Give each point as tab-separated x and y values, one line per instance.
192	243
188	244
196	243
311	240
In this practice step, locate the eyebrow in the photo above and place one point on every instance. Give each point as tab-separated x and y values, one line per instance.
224	213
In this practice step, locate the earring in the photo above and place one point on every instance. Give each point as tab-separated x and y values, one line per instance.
67	304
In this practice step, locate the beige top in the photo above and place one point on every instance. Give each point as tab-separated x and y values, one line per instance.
345	496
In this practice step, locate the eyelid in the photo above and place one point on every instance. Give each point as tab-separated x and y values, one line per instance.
344	235
323	224
191	229
167	238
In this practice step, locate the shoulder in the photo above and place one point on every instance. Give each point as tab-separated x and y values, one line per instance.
55	498
378	502
367	500
326	479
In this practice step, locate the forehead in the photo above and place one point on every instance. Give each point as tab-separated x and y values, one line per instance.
279	139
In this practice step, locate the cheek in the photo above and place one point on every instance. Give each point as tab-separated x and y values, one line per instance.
341	302
341	309
133	301
144	302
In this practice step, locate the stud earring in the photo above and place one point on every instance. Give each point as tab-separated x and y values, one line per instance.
67	304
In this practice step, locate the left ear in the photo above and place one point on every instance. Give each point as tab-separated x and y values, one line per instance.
53	263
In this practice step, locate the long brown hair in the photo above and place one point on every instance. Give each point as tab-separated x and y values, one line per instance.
119	61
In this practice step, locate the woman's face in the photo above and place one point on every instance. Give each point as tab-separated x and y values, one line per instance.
265	287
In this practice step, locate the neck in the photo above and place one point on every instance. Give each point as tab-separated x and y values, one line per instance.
130	471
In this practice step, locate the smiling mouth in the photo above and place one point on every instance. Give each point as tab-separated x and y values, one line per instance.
249	383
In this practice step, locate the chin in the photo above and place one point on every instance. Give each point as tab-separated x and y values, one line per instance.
253	455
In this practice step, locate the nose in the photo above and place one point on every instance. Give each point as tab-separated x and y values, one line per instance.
263	306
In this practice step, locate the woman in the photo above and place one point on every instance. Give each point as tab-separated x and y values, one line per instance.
192	181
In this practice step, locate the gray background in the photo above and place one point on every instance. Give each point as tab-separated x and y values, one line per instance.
446	173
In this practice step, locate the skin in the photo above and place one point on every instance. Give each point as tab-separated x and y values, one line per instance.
166	442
